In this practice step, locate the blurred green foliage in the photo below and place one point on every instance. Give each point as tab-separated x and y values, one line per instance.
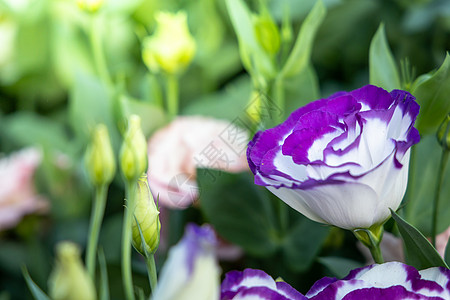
53	91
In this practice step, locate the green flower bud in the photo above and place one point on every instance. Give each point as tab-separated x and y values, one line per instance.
90	6
171	48
69	279
133	154
147	215
99	158
267	32
443	133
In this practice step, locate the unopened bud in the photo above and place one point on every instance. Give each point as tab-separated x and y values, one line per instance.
99	158
133	154
171	48
267	32
90	6
443	133
69	279
147	216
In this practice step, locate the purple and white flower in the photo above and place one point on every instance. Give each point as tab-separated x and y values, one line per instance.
392	280
254	285
342	160
191	270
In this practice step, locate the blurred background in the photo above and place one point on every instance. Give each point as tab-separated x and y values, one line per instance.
65	68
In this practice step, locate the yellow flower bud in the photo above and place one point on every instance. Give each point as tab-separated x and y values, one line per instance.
171	48
133	154
69	279
147	215
443	133
99	158
90	6
267	32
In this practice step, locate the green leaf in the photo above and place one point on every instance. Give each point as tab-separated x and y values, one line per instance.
300	56
419	252
90	104
383	69
26	128
447	254
339	266
432	96
304	240
35	290
239	210
104	285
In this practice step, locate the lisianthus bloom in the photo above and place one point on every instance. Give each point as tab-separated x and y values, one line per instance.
256	284
185	144
392	280
191	270
342	160
17	193
171	48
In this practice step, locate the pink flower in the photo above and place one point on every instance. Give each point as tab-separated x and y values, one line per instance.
17	194
442	241
188	143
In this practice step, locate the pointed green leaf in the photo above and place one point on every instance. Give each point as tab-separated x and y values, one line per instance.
35	290
419	252
382	66
432	96
447	254
300	56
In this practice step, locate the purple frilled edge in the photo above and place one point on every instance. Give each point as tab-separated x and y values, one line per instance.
393	280
342	114
256	284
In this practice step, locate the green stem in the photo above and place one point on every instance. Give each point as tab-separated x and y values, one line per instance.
279	99
172	94
127	278
151	270
375	250
97	49
440	181
98	209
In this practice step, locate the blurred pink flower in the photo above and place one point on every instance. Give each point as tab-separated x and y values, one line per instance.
17	194
187	143
442	241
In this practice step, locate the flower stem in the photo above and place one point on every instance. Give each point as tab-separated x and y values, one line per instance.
440	181
375	250
98	209
97	49
172	94
151	270
127	278
279	99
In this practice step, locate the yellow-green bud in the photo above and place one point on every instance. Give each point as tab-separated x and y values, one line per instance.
171	48
254	108
99	158
267	32
133	154
69	279
147	215
443	133
90	6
